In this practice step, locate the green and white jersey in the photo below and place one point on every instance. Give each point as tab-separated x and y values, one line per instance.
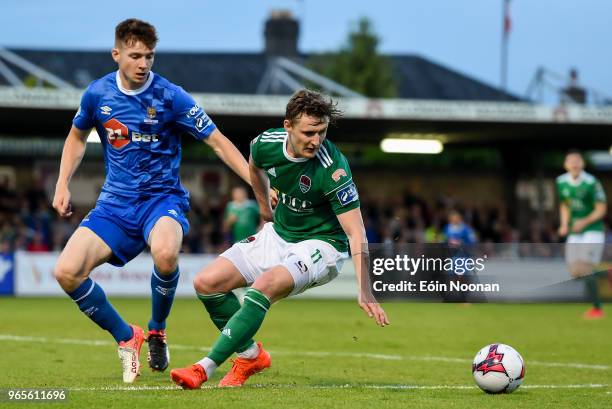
311	192
580	195
247	218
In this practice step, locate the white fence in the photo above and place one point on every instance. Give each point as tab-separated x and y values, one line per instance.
519	280
34	277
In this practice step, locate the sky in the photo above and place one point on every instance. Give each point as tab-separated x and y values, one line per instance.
464	35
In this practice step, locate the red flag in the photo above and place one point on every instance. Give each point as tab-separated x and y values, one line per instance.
507	20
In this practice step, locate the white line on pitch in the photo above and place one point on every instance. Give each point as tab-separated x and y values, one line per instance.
19	338
341	386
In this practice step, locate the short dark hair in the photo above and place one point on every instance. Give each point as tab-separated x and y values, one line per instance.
573	152
133	30
311	103
456	211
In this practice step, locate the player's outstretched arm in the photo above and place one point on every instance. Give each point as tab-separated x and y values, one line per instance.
261	188
352	224
229	154
74	149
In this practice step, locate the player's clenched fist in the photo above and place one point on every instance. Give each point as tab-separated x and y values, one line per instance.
61	201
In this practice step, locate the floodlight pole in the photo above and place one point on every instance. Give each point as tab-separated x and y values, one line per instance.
504	44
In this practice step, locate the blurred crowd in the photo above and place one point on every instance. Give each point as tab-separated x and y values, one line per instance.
28	222
412	219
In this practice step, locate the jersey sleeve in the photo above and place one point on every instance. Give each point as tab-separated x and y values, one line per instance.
600	194
561	192
190	117
254	148
84	118
229	209
339	186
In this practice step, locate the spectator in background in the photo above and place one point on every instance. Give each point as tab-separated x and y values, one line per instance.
459	237
434	233
241	215
37	244
457	232
8	196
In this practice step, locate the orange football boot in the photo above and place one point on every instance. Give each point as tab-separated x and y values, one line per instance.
191	377
593	314
243	368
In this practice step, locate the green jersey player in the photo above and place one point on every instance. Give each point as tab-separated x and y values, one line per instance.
582	208
316	220
241	215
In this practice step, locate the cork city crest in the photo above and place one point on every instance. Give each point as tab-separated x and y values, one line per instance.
305	183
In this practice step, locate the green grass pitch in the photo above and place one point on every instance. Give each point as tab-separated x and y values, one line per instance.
325	354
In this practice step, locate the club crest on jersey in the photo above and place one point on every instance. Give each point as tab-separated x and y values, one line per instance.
305	183
151	113
338	173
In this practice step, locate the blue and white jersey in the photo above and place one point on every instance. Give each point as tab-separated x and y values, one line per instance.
141	133
459	234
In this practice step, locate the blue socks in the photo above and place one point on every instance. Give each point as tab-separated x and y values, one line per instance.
91	299
163	288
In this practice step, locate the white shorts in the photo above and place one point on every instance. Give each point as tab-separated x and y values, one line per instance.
586	247
320	261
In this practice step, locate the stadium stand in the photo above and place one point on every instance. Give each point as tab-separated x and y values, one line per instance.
241	73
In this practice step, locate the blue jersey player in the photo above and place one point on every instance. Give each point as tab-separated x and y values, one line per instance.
456	232
459	237
140	117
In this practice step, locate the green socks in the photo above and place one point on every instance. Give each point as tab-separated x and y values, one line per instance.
222	307
241	328
590	282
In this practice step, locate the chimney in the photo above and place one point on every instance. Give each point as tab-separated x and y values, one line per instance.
281	34
574	93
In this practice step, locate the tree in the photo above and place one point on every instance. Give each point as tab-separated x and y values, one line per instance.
358	65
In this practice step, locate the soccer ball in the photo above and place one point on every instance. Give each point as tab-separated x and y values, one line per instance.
498	368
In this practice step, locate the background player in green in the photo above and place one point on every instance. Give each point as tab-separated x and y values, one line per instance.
241	215
316	219
582	208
